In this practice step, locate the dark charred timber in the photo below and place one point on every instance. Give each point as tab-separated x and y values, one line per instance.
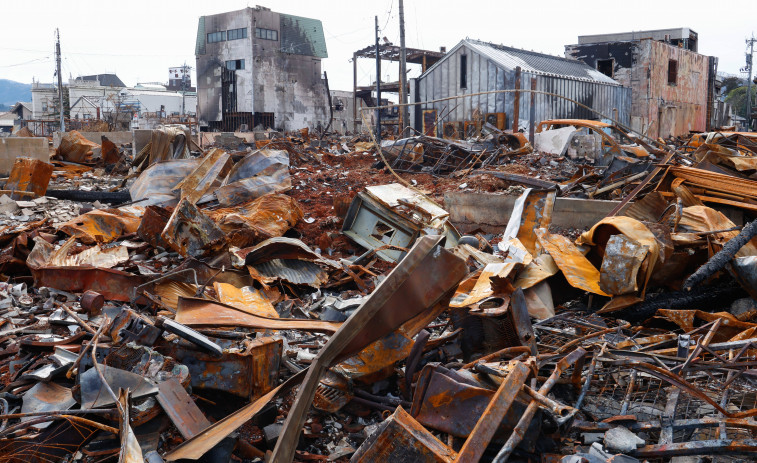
721	259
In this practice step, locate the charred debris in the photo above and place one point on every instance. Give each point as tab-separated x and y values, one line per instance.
311	297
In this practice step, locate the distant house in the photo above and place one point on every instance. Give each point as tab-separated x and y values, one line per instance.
22	110
7	121
672	85
473	67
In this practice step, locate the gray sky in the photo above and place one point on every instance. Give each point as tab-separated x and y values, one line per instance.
139	40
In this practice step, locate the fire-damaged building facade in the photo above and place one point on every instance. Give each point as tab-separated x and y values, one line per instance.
473	67
259	68
672	85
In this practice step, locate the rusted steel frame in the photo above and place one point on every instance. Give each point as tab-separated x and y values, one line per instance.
702	342
724	403
629	392
572	343
423	278
493	415
684	385
562	413
520	429
641	185
720	447
656	425
668	416
515	350
44	419
108	412
589	376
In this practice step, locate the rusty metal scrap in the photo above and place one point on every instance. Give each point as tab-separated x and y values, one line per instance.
236	275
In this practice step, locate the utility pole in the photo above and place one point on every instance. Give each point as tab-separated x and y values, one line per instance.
403	74
750	43
183	86
378	87
60	81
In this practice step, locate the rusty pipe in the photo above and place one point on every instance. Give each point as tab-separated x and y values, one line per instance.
562	413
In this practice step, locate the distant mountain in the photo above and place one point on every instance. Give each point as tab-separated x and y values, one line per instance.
12	92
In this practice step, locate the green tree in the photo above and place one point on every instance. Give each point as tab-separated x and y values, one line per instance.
737	99
731	83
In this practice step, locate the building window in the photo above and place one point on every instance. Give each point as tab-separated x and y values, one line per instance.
235	64
214	37
266	34
672	72
463	71
236	34
606	66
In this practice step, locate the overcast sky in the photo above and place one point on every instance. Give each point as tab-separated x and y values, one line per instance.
139	40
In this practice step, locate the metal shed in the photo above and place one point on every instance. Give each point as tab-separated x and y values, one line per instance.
472	67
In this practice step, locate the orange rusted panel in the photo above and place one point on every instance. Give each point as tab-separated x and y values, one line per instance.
247	299
266	217
101	226
577	269
75	148
207	176
200	312
191	233
30	175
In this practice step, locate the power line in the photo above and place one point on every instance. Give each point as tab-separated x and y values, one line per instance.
25	62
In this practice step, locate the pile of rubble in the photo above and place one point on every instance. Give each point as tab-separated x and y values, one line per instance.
308	298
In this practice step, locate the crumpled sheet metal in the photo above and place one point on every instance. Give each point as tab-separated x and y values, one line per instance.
202	312
247	299
259	173
169	142
44	254
531	211
577	269
287	259
114	285
191	233
154	220
45	397
713	187
156	183
728	157
30	175
599	235
93	391
479	286
704	219
542	267
101	226
75	148
250	223
215	166
376	358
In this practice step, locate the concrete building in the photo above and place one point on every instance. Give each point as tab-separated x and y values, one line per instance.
85	97
256	67
673	86
472	67
180	78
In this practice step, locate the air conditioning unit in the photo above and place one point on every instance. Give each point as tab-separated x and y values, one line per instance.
452	130
498	120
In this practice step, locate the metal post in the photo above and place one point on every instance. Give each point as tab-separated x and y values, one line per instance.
516	101
183	87
749	56
60	81
354	93
532	112
378	87
403	73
